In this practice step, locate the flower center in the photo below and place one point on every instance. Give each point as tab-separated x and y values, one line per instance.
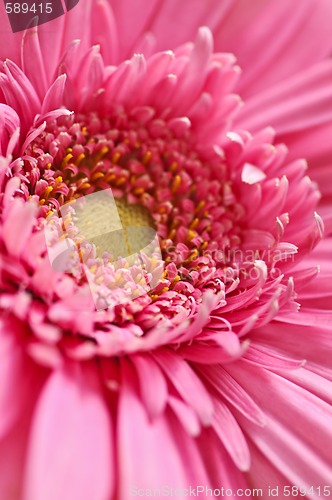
160	180
115	232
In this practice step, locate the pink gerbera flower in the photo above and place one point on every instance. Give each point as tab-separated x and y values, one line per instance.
216	372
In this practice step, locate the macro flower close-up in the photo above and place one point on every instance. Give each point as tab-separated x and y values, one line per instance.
165	251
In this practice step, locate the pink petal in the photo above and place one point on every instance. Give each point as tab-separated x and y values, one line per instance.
253	33
303	101
33	61
132	20
251	174
12	458
18	226
9	125
189	16
186	416
70	447
231	436
151	454
233	392
12	374
187	383
104	30
222	470
54	97
153	385
298	426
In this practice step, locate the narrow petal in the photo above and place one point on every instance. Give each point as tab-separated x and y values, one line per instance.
153	385
54	97
230	434
187	383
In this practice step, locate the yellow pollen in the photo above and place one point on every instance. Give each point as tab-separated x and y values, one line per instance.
153	263
191	235
97	175
138	191
200	206
42	201
110	178
193	255
85	185
194	223
80	158
58	180
147	157
84	130
204	245
116	157
173	166
120	181
176	184
101	153
66	159
47	191
118	279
